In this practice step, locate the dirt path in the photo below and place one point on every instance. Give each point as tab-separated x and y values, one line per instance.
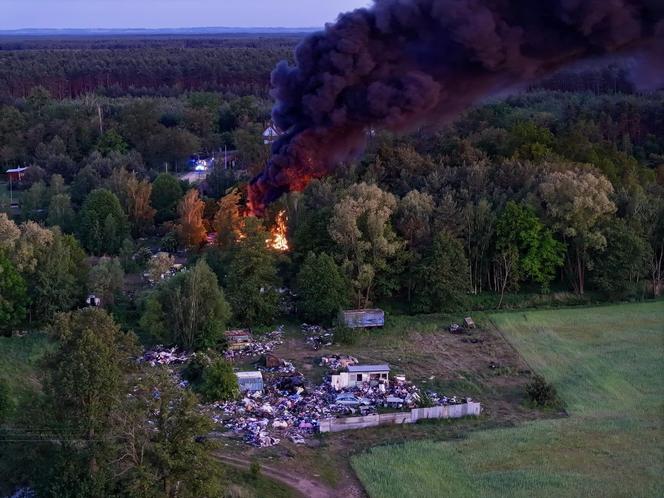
305	487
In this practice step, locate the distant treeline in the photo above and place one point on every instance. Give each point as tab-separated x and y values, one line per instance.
157	66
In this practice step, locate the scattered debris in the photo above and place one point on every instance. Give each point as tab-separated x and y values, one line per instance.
257	346
288	409
317	336
455	328
238	339
164	356
338	362
271	361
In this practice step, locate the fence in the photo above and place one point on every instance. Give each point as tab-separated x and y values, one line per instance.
447	411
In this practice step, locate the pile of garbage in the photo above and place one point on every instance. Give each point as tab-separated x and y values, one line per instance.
263	418
317	336
257	347
338	362
160	355
288	409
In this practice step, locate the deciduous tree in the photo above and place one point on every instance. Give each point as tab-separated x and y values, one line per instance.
189	309
322	289
252	279
190	224
103	224
360	226
442	282
576	203
13	296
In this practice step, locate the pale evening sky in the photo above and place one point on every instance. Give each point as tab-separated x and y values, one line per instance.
18	14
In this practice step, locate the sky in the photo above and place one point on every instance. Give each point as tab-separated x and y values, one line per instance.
20	14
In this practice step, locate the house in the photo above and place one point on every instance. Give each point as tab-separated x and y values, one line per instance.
250	381
271	134
238	339
16	174
364	318
357	375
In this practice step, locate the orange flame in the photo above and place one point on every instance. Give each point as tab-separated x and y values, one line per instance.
278	240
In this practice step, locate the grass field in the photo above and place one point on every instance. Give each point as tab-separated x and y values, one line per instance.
608	366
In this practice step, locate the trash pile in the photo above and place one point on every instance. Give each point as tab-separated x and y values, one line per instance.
164	356
257	347
264	418
337	362
288	409
317	336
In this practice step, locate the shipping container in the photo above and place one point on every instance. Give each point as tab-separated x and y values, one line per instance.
355	319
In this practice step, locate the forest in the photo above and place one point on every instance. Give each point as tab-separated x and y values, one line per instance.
159	66
551	197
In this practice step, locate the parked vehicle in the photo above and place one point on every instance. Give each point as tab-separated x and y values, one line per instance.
349	399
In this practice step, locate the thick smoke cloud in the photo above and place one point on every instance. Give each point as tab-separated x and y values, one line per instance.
402	64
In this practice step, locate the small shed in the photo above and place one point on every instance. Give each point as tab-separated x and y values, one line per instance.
238	339
468	323
364	318
356	375
250	381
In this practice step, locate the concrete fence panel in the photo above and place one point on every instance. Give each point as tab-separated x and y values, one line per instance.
434	412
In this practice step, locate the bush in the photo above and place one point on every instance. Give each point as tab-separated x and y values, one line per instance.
425	400
218	382
193	372
254	469
542	393
346	336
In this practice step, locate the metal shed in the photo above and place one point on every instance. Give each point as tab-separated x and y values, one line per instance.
364	318
250	381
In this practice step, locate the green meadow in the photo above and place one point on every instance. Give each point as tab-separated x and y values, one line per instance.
608	366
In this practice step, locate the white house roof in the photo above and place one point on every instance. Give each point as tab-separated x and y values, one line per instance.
271	131
368	368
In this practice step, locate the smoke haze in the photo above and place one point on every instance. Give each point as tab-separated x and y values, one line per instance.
402	64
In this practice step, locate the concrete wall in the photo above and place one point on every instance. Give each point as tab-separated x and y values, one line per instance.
448	411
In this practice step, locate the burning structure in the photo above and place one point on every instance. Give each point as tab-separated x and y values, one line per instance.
404	64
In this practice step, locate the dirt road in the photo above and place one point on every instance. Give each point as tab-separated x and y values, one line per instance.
305	487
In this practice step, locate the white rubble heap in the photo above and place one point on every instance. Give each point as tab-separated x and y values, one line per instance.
258	346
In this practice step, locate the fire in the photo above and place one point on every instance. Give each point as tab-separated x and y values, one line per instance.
278	240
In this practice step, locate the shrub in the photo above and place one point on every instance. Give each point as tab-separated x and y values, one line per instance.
218	382
254	469
346	336
542	393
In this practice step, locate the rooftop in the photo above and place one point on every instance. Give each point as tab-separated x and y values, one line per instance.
384	367
249	375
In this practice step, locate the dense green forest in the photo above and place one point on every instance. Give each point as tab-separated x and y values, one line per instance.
72	66
552	196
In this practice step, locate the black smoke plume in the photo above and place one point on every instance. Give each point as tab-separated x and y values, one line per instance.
402	64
